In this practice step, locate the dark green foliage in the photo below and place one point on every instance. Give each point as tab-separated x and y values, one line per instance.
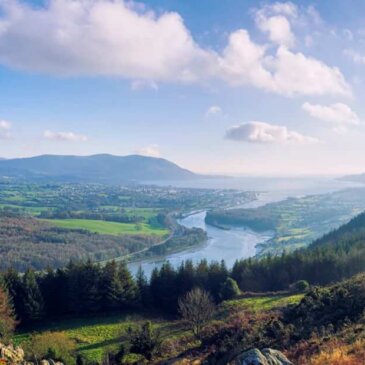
32	298
229	289
145	340
300	286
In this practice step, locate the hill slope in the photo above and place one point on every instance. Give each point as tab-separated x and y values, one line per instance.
97	168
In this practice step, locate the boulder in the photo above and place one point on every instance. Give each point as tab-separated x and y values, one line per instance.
263	357
15	356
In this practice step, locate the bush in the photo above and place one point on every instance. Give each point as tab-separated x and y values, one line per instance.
300	286
145	340
229	289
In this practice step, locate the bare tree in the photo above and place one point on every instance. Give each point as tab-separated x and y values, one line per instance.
196	308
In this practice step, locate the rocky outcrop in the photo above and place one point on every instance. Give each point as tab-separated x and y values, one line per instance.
263	357
15	356
11	354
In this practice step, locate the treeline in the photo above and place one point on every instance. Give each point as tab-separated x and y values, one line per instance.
257	219
119	217
87	288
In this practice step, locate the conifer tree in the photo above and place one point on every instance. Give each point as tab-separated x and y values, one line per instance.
33	305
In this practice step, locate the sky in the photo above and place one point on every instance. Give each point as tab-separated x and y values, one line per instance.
231	87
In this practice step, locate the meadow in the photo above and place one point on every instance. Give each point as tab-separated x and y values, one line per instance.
112	228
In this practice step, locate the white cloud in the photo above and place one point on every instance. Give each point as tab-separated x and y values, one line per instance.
273	20
213	110
5	127
261	132
289	73
295	73
339	114
152	150
119	38
104	37
64	136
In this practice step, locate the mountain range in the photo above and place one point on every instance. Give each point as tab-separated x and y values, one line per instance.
101	168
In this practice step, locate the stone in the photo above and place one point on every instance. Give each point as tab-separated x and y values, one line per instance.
263	357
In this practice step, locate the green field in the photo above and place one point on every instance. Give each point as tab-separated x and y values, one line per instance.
112	228
95	336
263	303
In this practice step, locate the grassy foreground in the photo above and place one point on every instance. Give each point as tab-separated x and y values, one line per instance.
104	227
95	336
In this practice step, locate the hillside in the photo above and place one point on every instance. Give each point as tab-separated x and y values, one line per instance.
296	222
101	168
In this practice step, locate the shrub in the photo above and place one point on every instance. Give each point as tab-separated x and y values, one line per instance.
300	286
145	340
229	289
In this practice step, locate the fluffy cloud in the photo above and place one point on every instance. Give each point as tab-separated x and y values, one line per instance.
96	37
64	136
273	20
118	38
151	151
339	114
213	110
260	132
5	127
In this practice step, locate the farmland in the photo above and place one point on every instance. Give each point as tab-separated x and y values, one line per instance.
112	228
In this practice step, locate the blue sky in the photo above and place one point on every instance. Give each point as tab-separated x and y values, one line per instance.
242	87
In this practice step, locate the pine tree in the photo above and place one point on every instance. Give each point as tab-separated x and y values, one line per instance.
33	305
144	295
110	287
128	286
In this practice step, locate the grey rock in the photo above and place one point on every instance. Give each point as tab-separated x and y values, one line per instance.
263	357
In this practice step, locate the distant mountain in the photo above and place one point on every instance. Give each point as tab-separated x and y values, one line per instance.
101	168
360	178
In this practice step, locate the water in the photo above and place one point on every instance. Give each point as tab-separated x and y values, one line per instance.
221	244
239	243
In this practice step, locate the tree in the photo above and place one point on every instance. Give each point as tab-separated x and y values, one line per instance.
196	308
145	340
33	304
110	286
229	289
144	296
7	321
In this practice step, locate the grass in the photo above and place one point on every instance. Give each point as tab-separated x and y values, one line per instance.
95	336
263	303
112	228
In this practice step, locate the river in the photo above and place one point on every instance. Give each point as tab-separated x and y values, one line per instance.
238	243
